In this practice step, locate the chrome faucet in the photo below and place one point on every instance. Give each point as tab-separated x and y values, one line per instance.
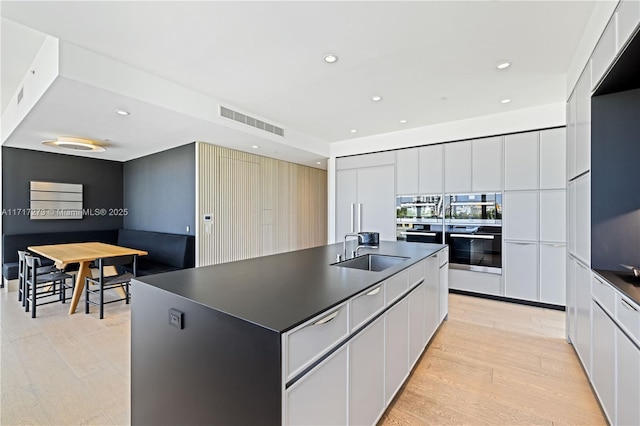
354	253
344	243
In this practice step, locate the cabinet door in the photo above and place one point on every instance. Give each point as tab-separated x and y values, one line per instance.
604	53
553	273
553	216
628	15
571	300
416	323
603	374
583	122
553	159
571	137
520	216
521	161
346	198
396	359
444	292
487	165
583	218
521	270
366	374
457	167
432	296
628	367
320	397
407	161
583	316
571	218
430	170
377	204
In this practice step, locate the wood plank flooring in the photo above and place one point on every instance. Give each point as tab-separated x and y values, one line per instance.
490	363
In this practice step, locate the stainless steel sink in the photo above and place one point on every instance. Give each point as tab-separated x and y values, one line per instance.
372	262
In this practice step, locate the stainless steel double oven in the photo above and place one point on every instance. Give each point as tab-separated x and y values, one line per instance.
471	224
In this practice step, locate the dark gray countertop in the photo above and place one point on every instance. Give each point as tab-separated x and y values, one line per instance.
281	291
623	281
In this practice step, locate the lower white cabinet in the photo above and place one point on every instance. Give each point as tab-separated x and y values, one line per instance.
431	295
603	372
571	299
366	375
396	348
444	293
628	386
582	342
416	323
320	397
521	270
553	268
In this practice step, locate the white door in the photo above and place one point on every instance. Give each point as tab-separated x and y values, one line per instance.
583	122
603	374
571	299
583	316
431	169
583	218
520	216
521	270
376	201
487	164
444	292
366	373
416	323
346	200
521	161
432	295
396	359
571	137
571	218
457	167
553	159
628	359
553	273
407	161
553	216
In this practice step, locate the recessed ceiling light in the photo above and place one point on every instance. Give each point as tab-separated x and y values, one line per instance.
503	65
255	146
403	121
77	144
376	98
318	162
330	58
122	112
505	101
353	130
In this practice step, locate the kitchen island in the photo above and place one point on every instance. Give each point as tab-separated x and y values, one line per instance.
283	339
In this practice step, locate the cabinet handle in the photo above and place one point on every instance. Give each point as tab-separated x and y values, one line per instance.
359	217
521	244
374	291
426	234
326	319
628	305
352	216
472	237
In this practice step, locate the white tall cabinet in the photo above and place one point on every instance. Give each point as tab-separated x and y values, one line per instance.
419	170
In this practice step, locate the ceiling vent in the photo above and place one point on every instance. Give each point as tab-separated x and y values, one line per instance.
250	121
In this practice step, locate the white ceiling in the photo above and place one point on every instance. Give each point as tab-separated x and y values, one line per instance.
265	58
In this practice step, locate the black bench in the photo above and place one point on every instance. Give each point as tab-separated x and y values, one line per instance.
12	243
167	252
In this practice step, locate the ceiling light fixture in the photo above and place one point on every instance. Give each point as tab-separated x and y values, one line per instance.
403	121
353	130
121	112
318	162
503	65
330	58
376	98
255	146
505	101
76	144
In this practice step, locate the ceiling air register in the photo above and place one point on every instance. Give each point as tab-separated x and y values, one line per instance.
250	121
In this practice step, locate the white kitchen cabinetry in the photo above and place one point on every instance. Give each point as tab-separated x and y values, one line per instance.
571	217
457	167
520	219
521	161
571	136
386	158
604	52
583	122
430	175
396	348
553	159
582	342
582	218
603	372
416	323
366	375
628	15
320	397
553	213
628	384
521	270
571	300
407	171
432	294
553	267
487	164
443	259
365	201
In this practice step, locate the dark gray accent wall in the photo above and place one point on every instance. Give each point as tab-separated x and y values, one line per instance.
102	189
160	191
615	180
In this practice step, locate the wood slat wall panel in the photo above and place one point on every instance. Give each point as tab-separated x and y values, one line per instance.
258	205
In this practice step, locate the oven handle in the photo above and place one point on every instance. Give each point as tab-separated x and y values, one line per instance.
426	234
473	237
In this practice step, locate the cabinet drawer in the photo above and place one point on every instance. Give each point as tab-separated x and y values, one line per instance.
395	286
416	274
310	341
628	315
443	256
366	305
604	293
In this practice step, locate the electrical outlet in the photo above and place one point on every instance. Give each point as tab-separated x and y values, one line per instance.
176	318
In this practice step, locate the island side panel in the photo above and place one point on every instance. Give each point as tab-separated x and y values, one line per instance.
216	370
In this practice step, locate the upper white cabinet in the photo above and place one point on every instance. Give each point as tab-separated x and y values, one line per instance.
431	169
520	219
571	136
346	202
583	123
553	159
366	160
487	163
553	217
407	171
628	16
582	218
604	52
457	167
521	161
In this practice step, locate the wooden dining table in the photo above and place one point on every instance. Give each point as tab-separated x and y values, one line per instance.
84	254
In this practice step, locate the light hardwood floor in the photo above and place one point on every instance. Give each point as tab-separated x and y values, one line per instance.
491	363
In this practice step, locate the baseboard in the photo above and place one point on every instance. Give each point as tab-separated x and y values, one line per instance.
509	299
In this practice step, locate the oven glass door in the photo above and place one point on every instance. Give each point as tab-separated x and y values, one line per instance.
476	252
